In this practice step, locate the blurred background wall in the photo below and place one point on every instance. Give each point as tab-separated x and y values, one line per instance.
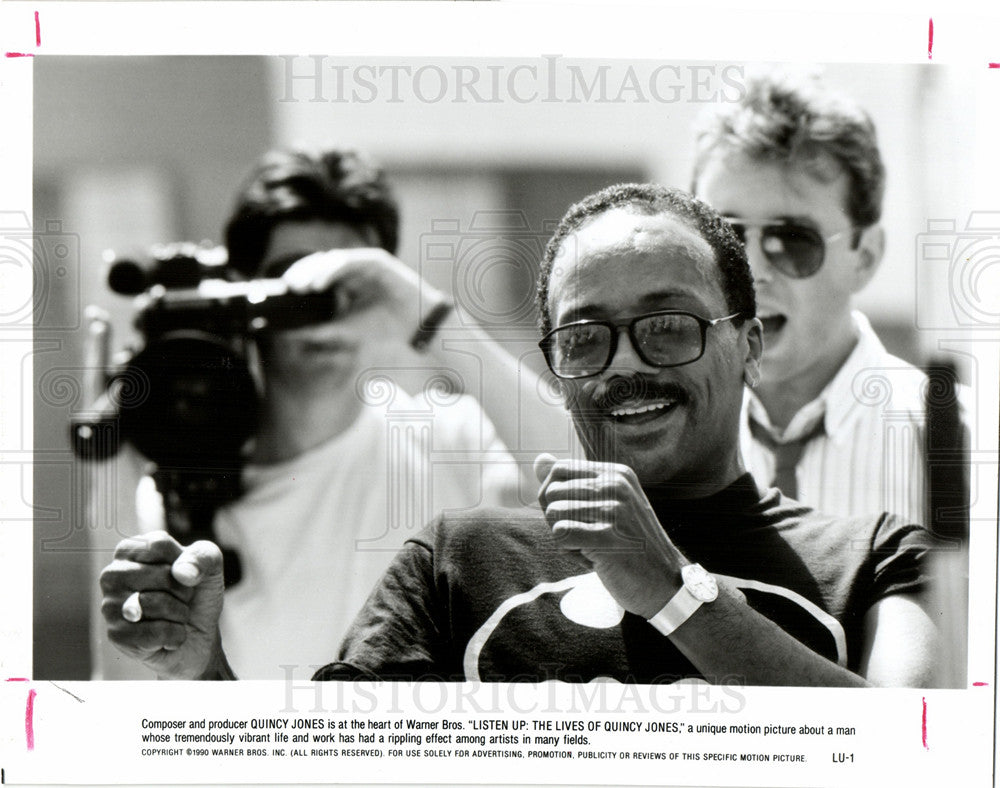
133	151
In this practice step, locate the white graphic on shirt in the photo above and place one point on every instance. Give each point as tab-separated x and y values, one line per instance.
829	622
470	663
588	603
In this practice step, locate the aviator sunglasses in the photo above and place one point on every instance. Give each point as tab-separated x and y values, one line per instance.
794	249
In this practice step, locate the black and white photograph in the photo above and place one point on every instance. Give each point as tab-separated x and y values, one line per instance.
450	413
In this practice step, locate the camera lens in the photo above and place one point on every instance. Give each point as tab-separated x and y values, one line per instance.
197	405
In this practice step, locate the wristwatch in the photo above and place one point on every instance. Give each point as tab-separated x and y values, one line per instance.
699	587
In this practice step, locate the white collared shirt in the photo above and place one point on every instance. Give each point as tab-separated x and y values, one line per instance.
869	457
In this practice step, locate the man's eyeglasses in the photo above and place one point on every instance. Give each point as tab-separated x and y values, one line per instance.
661	339
794	249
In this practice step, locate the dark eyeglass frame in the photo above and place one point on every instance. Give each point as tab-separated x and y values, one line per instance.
615	327
785	263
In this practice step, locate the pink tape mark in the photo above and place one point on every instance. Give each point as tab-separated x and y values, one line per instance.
930	38
38	40
15	679
29	719
980	684
923	725
994	65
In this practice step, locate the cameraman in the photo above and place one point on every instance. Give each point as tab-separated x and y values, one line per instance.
314	528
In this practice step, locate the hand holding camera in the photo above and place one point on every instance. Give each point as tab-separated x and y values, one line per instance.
368	278
192	376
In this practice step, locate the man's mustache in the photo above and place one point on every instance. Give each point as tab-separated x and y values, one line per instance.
630	390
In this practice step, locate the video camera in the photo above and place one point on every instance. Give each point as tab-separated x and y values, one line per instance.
187	400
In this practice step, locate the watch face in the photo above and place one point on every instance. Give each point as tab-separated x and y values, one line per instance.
700	583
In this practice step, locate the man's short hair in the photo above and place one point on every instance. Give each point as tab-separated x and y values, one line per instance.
332	186
793	119
735	278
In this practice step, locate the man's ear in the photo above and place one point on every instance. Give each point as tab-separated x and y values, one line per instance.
752	336
871	248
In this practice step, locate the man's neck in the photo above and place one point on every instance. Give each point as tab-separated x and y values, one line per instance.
295	420
699	484
676	490
738	493
782	398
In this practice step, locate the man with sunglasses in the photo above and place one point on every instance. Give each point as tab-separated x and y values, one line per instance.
797	171
656	559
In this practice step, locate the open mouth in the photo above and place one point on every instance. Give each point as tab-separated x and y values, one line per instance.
642	412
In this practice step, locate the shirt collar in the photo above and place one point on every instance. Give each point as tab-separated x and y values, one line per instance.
714	510
839	393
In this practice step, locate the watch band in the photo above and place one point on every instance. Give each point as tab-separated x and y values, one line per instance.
429	325
699	587
679	609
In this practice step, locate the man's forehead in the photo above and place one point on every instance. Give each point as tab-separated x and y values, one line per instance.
608	243
633	228
661	253
751	186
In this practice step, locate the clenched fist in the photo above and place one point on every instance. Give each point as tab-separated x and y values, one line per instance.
600	510
162	602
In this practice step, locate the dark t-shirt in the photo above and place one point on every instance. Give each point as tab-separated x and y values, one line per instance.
489	596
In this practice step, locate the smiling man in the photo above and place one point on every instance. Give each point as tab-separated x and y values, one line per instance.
837	422
656	559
